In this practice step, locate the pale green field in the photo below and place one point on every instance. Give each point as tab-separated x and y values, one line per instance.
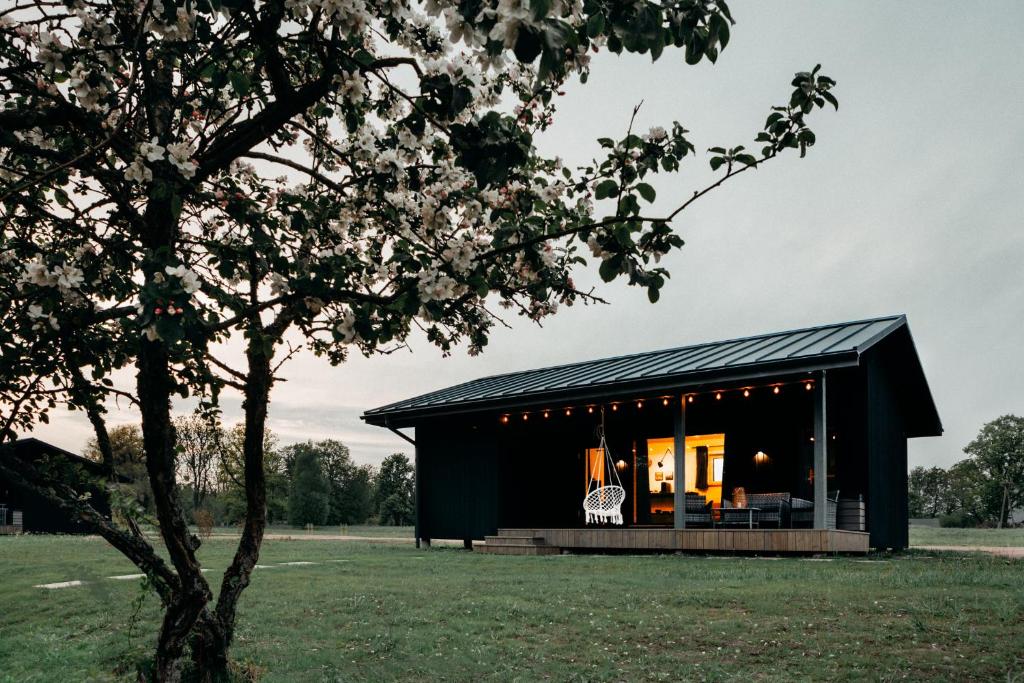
924	535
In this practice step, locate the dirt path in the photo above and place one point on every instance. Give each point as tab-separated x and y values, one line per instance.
1000	551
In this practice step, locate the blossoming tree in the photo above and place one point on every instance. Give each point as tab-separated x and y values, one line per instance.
338	174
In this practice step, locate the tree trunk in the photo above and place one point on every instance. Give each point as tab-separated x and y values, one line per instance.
213	638
1004	510
154	386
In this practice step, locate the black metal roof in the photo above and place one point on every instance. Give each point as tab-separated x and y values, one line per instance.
794	351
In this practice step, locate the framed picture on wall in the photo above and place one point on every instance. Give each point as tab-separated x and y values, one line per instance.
658	476
669	476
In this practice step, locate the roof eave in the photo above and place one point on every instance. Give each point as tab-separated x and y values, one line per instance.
683	382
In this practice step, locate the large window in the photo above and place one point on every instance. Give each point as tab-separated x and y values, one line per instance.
705	468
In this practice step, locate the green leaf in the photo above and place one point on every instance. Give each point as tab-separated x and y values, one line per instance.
239	82
605	189
716	163
595	25
653	294
646	191
830	98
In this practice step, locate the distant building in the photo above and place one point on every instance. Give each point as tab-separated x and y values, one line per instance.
24	512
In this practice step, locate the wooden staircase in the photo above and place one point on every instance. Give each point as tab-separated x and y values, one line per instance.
511	542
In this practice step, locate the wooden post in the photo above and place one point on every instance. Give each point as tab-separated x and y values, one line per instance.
679	456
416	494
820	455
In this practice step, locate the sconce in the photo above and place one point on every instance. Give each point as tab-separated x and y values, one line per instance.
760	458
621	465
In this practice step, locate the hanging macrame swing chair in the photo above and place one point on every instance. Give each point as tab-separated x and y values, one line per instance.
603	504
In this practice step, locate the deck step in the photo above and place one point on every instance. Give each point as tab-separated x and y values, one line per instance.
516	549
514	540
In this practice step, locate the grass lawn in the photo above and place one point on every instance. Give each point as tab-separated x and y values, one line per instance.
928	535
390	612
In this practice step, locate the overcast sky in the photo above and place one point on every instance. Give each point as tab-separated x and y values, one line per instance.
911	202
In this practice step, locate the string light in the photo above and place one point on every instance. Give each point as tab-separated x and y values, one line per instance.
666	401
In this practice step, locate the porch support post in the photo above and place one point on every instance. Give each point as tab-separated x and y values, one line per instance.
679	457
416	496
820	455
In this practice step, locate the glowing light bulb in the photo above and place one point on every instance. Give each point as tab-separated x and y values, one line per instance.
690	398
776	390
746	393
718	396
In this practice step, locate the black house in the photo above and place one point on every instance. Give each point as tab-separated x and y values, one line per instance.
800	429
24	512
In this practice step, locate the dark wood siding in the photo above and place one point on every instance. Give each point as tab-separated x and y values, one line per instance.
887	513
458	479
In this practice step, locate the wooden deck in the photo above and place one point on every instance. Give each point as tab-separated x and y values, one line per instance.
759	541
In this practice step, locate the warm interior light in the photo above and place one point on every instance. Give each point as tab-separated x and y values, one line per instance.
746	393
775	390
690	398
526	416
615	406
568	412
620	465
504	419
664	401
718	396
639	404
808	386
547	414
760	458
590	409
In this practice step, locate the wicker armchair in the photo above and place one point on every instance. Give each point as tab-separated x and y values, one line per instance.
802	511
698	510
773	508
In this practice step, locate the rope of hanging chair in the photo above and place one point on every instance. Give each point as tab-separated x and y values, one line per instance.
603	503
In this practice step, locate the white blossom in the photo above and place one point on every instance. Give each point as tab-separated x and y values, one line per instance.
180	156
189	279
138	172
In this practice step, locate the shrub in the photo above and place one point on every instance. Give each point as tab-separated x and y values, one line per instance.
204	521
958	519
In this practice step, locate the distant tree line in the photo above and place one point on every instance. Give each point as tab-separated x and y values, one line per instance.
982	490
313	482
